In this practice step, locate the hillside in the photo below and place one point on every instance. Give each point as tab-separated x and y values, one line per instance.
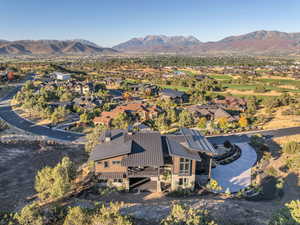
158	43
50	47
254	43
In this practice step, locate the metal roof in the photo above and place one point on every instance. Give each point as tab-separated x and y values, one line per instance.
146	150
176	149
142	148
116	147
195	141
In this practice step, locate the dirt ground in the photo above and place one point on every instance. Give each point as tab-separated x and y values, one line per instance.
281	121
152	209
19	163
251	92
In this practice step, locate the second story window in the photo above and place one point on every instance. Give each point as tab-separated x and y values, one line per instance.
116	162
184	166
106	164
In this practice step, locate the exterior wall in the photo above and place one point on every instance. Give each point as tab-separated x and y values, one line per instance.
99	166
191	177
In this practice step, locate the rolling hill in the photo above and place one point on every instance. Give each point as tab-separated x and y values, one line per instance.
50	47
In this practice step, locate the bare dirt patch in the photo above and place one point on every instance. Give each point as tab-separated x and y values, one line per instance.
251	92
282	121
19	163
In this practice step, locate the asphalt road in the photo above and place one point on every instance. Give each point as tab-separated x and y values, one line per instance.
12	118
244	137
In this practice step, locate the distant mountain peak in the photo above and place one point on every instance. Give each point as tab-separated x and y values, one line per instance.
158	43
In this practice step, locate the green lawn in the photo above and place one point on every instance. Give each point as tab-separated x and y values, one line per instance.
179	88
220	77
248	87
281	81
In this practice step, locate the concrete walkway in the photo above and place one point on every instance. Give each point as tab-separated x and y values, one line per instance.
236	175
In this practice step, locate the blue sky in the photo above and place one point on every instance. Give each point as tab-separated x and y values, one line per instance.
110	22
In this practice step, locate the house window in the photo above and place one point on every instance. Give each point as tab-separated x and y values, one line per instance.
183	181
116	162
117	180
184	166
106	165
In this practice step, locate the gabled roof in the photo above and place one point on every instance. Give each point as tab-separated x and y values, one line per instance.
116	147
141	148
176	149
146	150
172	93
195	141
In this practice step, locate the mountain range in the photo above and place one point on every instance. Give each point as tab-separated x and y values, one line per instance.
50	47
255	43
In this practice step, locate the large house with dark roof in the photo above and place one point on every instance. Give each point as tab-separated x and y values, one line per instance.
151	161
170	94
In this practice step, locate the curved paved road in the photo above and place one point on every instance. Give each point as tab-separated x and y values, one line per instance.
12	118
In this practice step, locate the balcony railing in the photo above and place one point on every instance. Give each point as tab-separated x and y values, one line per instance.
142	172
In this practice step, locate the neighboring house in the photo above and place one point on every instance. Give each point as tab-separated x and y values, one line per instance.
170	94
136	110
112	82
87	102
62	76
151	161
148	89
233	103
84	88
210	112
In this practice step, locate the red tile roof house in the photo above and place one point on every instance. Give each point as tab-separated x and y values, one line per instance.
139	110
151	161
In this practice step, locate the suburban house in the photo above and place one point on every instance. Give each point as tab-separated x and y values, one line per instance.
85	88
233	103
151	161
136	110
211	112
62	76
113	83
170	94
148	89
87	102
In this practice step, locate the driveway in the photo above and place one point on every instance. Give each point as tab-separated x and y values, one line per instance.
236	175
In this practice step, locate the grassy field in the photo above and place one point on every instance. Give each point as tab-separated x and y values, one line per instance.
220	77
179	88
248	87
281	81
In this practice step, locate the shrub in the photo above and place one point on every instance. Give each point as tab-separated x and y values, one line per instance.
214	186
180	192
76	216
182	215
110	215
30	215
289	215
55	182
291	148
